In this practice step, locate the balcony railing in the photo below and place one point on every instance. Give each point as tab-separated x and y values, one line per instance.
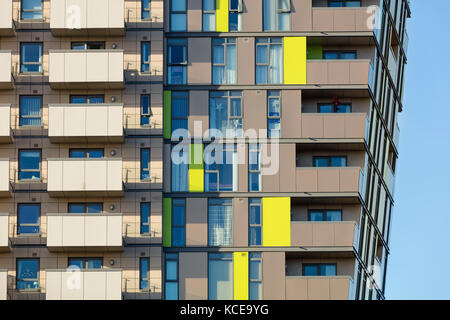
6	76
328	19
5	185
6	19
323	234
389	178
85	177
86	284
86	69
329	180
85	123
82	232
85	17
318	288
334	126
338	72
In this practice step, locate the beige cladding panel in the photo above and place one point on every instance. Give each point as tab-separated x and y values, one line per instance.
6	19
5	123
193	268
274	275
4	176
4	231
3	285
197	222
194	15
5	69
199	61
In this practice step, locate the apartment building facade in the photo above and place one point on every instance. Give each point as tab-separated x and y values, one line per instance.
320	88
115	183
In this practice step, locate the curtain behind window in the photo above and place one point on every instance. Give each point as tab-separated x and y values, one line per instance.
220	222
276	63
269	15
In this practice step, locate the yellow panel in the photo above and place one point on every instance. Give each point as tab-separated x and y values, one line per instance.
222	15
276	222
240	262
196	180
294	60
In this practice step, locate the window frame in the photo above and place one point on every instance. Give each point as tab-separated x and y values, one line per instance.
86	152
340	53
146	60
20	169
175	12
85	261
324	214
329	159
228	95
179	226
238	12
268	44
88	97
21	116
86	45
253	202
216	170
183	43
318	267
208	12
143	114
142	169
145	224
85	207
220	256
255	257
321	104
269	117
38	224
175	258
142	276
225	202
344	2
39	63
180	95
18	279
22	10
254	148
145	9
226	44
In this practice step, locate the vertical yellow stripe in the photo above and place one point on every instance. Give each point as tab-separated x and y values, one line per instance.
240	262
196	177
276	222
222	15
294	60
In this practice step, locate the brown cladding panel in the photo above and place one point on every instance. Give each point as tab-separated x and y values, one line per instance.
196	222
198	111
291	112
287	168
246	61
301	17
240	222
167	168
193	275
274	276
194	16
252	16
255	110
199	61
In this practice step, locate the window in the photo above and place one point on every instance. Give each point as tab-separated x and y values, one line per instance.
86	153
325	215
178	15
145	164
89	45
254	167
330	161
85	208
145	218
220	276
29	164
224	61
178	222
84	99
180	165
235	15
31	10
144	273
221	168
171	275
319	269
339	55
269	60
255	276
255	222
177	61
145	13
334	108
225	112
27	277
86	263
277	15
145	57
28	218
145	110
220	222
31	58
209	15
273	114
180	107
344	3
30	110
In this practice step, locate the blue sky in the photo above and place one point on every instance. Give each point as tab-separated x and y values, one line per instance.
420	237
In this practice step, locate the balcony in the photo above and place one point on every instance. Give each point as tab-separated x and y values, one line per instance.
327	19
338	72
6	77
334	126
3	285
6	19
88	284
319	288
5	185
85	123
4	233
84	232
329	180
85	177
323	234
5	123
96	18
86	69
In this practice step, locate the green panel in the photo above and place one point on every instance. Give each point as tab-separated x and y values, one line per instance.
315	52
196	156
167	114
167	222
